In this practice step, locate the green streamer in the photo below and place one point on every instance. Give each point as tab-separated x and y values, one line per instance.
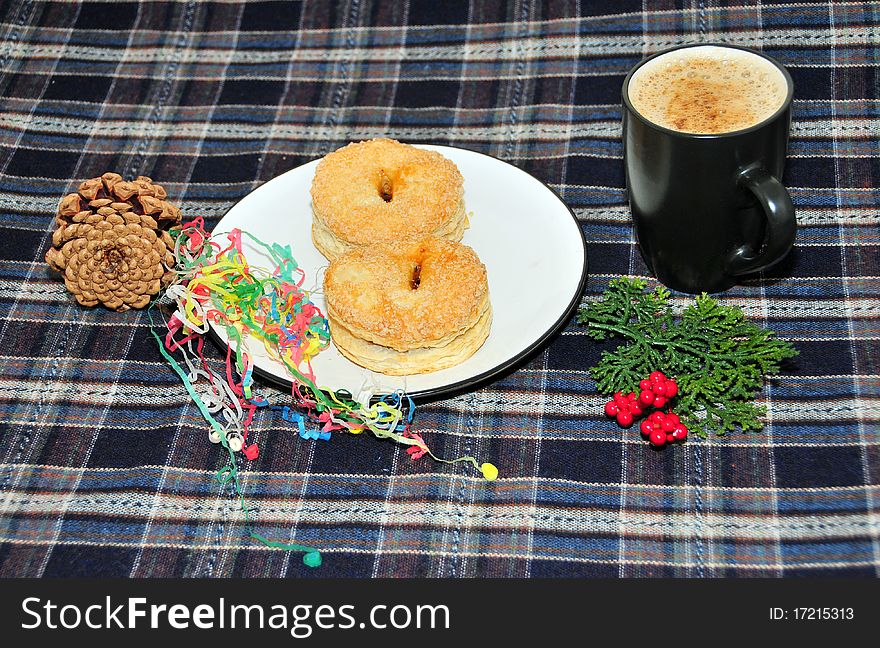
311	557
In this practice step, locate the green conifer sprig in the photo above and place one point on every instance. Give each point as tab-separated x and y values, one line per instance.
719	359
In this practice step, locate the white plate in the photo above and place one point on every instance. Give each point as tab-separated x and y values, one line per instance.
531	243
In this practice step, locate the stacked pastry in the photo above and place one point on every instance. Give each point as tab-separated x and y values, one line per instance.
380	191
408	309
403	295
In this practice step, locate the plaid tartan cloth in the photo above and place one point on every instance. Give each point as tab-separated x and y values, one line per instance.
105	465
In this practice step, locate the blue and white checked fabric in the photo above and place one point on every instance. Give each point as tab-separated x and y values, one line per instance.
105	466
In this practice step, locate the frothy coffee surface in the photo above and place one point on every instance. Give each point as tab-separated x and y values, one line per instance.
707	90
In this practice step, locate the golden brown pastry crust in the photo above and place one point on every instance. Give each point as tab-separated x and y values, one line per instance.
380	191
432	295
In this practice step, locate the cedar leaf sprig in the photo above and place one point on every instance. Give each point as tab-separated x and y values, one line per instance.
718	358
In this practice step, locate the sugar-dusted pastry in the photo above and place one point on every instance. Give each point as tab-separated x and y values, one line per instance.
382	191
408	309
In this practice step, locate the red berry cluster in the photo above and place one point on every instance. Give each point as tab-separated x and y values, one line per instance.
625	408
661	428
655	391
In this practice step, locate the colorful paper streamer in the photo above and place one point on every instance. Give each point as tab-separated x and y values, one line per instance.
216	285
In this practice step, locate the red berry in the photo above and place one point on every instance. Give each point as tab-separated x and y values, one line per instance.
672	416
624	418
667	426
671	388
646	398
631	397
646	427
680	433
657	376
611	408
636	410
619	398
660	401
657	438
669	438
659	389
644	384
657	418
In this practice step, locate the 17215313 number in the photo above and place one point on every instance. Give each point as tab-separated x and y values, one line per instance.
823	614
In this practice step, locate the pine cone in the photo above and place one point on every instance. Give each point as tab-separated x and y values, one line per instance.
111	244
116	260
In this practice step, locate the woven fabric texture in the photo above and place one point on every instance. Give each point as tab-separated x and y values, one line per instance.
105	465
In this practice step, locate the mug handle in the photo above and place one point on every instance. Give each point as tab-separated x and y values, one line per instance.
781	224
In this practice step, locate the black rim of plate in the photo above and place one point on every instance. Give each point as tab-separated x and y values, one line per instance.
468	384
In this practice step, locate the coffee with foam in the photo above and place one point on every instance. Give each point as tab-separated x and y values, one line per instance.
707	90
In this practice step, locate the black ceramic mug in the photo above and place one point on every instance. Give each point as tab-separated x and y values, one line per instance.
708	208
